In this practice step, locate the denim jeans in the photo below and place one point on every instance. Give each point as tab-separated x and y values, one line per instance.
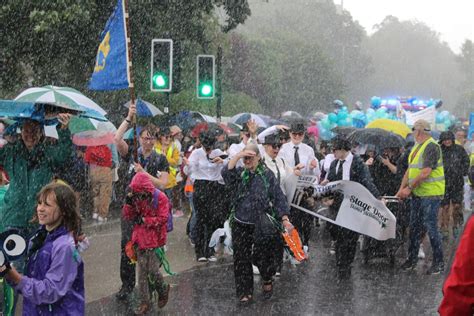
424	212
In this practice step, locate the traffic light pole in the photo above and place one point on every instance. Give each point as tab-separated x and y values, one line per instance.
219	84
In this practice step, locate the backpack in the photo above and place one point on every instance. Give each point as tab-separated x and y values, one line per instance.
169	224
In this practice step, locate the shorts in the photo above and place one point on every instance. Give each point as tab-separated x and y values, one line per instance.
455	196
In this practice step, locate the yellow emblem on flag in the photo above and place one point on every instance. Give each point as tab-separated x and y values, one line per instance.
103	51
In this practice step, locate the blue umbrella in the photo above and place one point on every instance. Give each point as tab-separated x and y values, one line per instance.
17	110
145	109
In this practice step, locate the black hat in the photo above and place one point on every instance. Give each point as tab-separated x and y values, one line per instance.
272	139
340	142
297	127
446	136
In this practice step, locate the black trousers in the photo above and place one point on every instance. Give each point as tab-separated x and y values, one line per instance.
303	222
127	269
207	199
346	245
261	252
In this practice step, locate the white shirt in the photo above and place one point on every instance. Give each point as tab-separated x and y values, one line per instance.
306	154
326	163
284	169
201	168
234	149
346	167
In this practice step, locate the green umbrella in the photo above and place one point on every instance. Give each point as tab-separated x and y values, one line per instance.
64	97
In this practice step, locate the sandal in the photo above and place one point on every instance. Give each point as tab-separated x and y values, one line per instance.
267	288
245	299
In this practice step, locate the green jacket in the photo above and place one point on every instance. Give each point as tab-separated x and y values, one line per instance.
29	172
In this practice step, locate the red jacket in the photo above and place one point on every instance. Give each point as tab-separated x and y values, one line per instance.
152	232
458	288
99	155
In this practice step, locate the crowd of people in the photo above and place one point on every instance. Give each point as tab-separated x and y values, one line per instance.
243	182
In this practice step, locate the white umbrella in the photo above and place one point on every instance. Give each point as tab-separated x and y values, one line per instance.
242	118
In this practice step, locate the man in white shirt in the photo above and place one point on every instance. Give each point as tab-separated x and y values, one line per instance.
301	157
247	134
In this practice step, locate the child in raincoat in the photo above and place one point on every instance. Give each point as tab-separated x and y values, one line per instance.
148	208
53	283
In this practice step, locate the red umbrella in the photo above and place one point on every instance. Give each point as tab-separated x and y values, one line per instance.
204	126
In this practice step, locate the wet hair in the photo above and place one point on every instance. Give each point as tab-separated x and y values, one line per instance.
67	204
150	128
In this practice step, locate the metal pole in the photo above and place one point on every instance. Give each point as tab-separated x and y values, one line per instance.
219	84
131	86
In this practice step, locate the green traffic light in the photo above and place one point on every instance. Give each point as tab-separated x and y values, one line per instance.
206	90
159	80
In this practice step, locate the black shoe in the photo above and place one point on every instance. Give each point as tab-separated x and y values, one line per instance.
123	294
435	269
408	266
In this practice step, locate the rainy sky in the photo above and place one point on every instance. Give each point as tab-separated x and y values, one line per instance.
453	19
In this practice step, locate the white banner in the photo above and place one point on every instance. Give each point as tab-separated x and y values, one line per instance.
428	114
360	211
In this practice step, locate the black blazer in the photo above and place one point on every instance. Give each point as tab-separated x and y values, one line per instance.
358	173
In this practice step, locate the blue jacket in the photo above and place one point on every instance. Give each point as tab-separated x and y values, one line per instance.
54	277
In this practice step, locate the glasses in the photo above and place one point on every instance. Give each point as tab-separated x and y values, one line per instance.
276	146
148	139
297	133
166	136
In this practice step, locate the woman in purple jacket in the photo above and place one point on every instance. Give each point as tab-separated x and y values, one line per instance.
53	283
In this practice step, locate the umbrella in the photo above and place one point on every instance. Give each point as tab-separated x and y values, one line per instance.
291	114
343	130
145	109
203	126
390	125
63	97
242	118
376	137
103	134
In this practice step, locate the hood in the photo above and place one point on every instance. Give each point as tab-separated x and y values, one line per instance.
141	182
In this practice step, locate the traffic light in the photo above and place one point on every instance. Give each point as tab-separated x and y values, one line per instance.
205	73
161	76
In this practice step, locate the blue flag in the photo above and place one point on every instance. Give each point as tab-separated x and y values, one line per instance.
111	65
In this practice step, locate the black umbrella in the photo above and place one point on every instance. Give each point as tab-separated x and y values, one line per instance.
377	137
344	130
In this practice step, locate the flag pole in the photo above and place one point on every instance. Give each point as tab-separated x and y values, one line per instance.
131	85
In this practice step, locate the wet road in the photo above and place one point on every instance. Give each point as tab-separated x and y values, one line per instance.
311	288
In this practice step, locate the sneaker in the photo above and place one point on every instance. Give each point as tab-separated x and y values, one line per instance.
435	269
178	213
212	259
101	220
255	270
95	216
294	262
421	253
408	266
306	251
202	259
278	274
332	248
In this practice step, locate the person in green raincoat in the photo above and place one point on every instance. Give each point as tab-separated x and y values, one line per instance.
29	162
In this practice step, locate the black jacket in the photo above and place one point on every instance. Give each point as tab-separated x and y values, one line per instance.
456	166
359	173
